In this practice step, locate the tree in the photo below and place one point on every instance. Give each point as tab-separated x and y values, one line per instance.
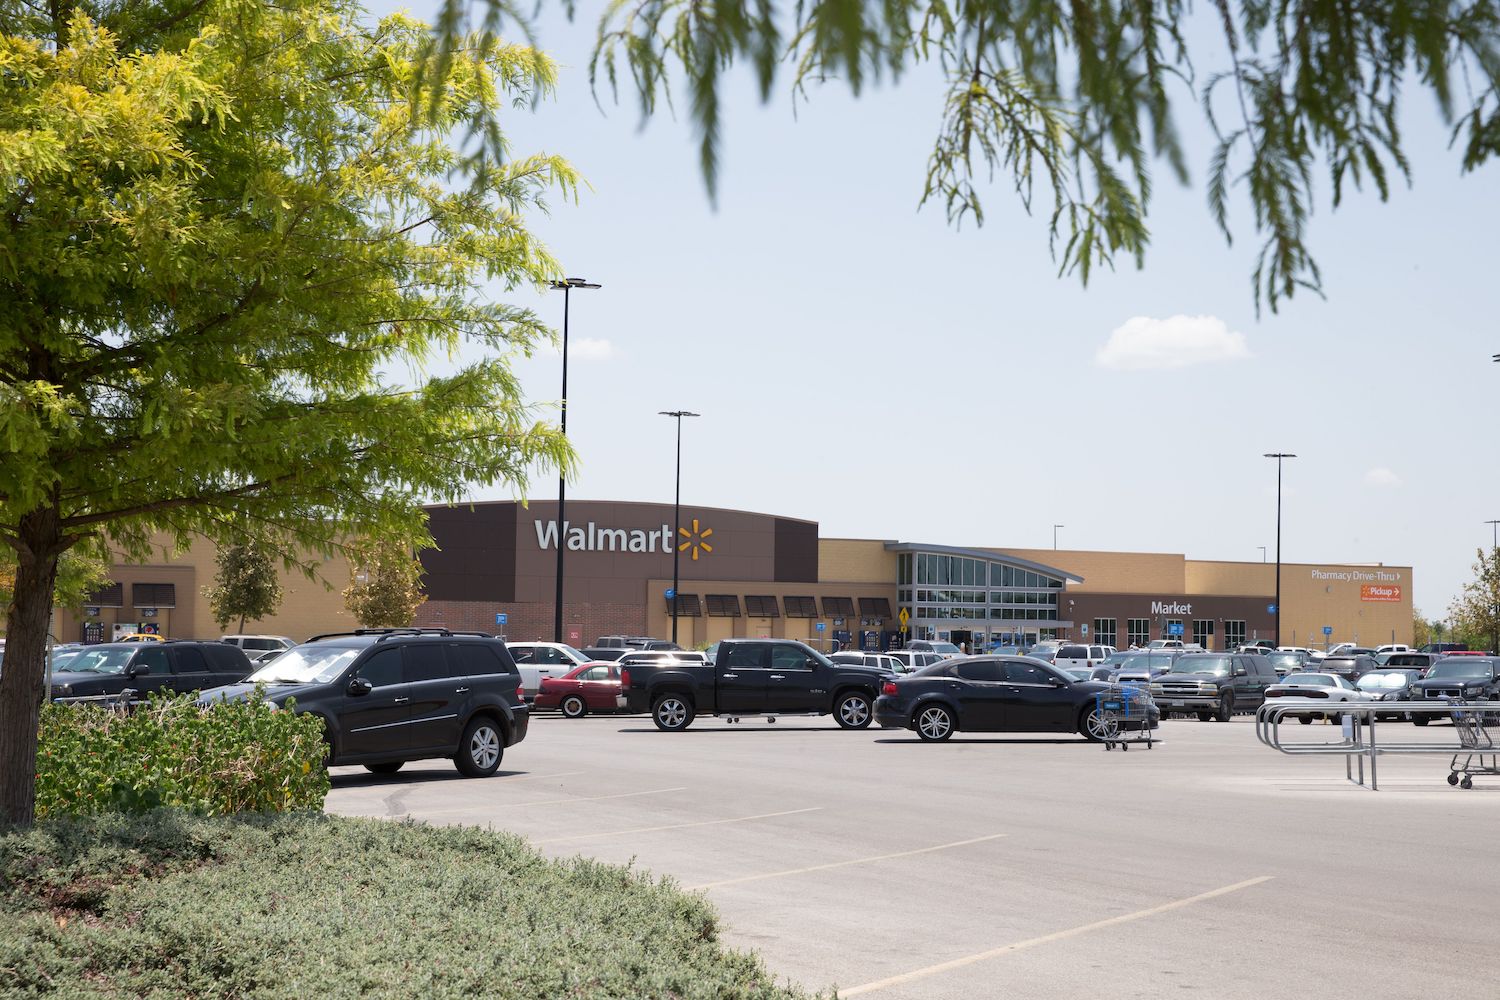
246	585
225	224
80	571
1073	101
387	587
1474	616
1422	630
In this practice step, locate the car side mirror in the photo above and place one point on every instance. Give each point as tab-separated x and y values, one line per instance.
1239	671
812	663
137	670
358	687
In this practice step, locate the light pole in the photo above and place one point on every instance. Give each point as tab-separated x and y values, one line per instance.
1278	455
677	509
1262	552
1054	535
1494	534
566	286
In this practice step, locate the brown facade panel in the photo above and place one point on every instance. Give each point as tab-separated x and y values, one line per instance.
475	558
796	551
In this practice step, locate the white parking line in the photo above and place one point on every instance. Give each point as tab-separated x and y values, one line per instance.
553	802
538	777
843	864
957	963
678	826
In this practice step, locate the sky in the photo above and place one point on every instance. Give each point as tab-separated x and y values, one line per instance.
863	364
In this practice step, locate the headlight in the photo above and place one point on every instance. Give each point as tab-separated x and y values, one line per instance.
1157	689
1208	688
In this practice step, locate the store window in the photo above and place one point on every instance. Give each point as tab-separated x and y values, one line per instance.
1234	634
1138	631
1104	631
1203	632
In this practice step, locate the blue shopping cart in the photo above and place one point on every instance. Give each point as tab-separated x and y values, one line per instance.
1122	716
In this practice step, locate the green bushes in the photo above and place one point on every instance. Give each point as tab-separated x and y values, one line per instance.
168	905
235	757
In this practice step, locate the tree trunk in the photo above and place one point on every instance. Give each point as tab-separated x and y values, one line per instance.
242	624
23	680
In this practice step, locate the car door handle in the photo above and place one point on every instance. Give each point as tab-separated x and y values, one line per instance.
778	677
731	677
461	691
400	701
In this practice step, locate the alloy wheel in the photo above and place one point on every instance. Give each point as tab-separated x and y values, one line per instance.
854	712
934	723
484	747
671	713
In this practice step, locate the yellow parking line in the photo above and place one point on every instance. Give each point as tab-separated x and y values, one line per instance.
678	826
843	864
956	963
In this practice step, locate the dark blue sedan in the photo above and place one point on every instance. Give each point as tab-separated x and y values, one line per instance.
998	694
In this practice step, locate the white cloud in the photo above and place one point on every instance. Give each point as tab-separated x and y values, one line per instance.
590	349
1381	476
1146	344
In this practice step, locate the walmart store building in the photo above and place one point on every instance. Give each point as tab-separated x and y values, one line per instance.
753	574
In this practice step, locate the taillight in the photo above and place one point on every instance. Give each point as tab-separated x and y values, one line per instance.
890	688
624	678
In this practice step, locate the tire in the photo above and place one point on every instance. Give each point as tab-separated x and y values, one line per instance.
385	767
853	710
1420	720
1226	708
1306	720
574	707
1094	728
933	723
1205	716
481	749
672	713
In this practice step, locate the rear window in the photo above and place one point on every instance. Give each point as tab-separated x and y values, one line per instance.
1073	653
472	658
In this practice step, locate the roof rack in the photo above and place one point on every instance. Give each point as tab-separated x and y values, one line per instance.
386	633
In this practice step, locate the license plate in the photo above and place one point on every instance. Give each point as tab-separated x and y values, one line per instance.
1175	704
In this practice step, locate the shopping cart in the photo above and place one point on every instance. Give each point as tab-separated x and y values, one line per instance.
1122	716
1475	736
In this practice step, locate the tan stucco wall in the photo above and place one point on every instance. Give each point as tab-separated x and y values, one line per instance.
1114	572
856	560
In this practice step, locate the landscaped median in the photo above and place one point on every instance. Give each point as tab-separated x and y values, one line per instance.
296	906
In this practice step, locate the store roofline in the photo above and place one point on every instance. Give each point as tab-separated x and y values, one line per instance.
987	555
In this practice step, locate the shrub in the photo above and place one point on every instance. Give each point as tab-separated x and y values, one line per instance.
234	757
169	905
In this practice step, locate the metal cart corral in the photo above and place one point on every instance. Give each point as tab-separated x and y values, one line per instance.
1124	714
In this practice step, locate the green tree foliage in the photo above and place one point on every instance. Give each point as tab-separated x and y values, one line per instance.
1071	102
387	587
81	570
235	236
1474	616
246	585
1422	630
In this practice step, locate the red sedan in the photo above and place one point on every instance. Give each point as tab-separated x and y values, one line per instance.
588	687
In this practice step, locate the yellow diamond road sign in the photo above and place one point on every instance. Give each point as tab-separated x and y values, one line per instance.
904	616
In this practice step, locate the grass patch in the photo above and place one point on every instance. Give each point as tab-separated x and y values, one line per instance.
168	905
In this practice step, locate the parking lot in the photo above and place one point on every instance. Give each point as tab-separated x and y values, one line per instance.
1013	866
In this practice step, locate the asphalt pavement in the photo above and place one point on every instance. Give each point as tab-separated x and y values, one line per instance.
1015	866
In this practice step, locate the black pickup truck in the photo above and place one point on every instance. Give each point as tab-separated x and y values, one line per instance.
743	677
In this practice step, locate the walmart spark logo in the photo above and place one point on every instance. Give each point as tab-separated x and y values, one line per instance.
695	540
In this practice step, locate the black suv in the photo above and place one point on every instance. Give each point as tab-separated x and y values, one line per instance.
145	667
1214	685
1465	678
387	696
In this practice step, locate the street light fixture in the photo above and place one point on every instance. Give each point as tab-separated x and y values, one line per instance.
1494	534
566	286
1278	455
677	509
1054	535
1262	552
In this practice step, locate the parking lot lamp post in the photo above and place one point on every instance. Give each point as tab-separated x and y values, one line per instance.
1278	455
1262	552
1054	535
677	510
566	286
1494	534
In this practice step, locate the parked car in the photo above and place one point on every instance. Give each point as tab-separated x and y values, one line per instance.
590	687
1469	678
770	677
634	642
1214	685
1285	661
255	645
992	694
934	646
914	661
1390	685
1421	662
1393	647
1164	644
147	667
608	653
878	661
1265	644
658	655
1324	688
1144	664
1045	650
1350	666
538	660
1442	647
1079	655
387	696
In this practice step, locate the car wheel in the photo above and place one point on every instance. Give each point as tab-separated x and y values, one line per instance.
574	707
1226	708
481	748
1420	720
1096	727
853	710
385	767
1205	716
934	723
1306	720
671	713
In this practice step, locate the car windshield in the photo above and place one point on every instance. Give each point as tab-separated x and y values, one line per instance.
101	661
572	654
1311	680
943	647
1287	660
1383	680
314	663
1460	670
1078	673
1216	665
